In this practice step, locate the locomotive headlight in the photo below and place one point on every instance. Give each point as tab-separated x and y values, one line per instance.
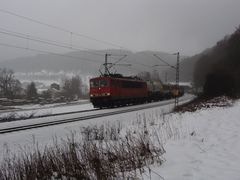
91	95
105	94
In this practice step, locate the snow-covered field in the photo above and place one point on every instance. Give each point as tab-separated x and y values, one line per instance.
202	145
45	135
38	110
208	148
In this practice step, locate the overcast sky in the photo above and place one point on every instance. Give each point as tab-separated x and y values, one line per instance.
188	26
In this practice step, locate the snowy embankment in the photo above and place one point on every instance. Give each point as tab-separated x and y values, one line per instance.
208	148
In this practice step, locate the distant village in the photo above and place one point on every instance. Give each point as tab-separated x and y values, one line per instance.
14	92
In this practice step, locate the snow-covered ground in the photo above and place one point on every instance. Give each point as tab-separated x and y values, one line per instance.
38	110
80	107
204	144
45	135
208	148
38	106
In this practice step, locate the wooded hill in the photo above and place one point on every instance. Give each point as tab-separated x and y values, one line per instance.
218	69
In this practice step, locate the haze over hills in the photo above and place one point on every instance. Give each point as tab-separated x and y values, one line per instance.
187	65
48	66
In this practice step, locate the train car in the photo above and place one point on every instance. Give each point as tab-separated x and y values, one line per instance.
112	91
155	90
172	91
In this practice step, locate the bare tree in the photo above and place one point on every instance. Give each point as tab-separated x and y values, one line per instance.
76	86
155	76
144	75
72	87
16	88
66	89
9	86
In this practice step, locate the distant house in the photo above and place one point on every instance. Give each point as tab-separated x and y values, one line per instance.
55	86
187	86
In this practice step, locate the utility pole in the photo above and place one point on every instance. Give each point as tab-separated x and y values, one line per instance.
107	66
106	72
166	77
177	79
177	74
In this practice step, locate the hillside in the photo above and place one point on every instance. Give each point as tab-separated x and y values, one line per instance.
186	69
87	64
218	70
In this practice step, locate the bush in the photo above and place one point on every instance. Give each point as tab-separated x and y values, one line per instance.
87	159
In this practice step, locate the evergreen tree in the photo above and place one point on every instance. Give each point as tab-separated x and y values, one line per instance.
31	91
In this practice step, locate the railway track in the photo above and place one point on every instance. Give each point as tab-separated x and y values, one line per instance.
37	108
50	115
63	121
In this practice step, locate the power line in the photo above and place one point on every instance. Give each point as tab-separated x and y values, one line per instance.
47	52
60	28
118	60
45	41
135	62
164	61
52	42
55	43
63	30
57	54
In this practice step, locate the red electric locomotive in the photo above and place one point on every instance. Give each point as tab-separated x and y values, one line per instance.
113	90
116	90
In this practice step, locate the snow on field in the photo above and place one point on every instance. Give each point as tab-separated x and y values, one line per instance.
206	143
82	114
37	110
38	106
209	148
44	136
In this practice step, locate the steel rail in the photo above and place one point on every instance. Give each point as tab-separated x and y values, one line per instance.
64	121
50	115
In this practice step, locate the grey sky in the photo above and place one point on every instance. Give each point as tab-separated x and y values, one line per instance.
188	26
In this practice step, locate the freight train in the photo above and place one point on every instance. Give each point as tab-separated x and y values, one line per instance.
116	90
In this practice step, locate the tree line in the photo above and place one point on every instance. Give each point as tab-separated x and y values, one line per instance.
218	69
11	88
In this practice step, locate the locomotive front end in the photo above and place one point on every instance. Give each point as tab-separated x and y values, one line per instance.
99	91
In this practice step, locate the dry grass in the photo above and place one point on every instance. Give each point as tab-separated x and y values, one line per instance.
107	151
95	157
203	102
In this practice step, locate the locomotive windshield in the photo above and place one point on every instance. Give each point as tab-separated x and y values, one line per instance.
103	83
98	83
94	83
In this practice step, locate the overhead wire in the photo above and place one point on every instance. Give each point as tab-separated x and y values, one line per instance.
27	37
166	63
60	28
52	42
46	41
55	43
47	52
135	62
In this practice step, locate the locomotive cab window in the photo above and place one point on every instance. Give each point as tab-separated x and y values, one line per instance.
94	83
103	83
